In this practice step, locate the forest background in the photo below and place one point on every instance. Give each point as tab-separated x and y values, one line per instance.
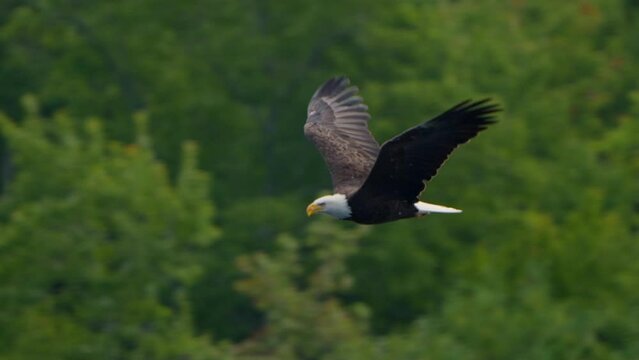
155	176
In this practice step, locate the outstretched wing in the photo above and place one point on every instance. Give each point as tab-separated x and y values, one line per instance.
337	124
413	157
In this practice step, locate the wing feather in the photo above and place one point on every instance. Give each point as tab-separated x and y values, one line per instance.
337	124
413	157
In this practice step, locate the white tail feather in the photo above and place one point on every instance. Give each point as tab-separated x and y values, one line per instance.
425	208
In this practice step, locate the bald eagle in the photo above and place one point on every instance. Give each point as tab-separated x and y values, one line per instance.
374	184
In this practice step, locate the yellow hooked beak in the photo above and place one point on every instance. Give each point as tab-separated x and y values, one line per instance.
313	209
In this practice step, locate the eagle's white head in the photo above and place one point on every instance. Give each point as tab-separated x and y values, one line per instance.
335	205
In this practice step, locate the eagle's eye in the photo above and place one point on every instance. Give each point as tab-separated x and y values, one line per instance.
321	203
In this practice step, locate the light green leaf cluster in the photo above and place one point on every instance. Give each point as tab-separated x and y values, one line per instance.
298	288
97	247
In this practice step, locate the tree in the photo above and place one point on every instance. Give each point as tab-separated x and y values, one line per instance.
97	246
298	289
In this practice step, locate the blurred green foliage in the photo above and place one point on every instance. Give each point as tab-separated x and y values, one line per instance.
107	225
98	249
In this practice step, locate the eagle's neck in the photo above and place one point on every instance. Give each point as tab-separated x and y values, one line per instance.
336	205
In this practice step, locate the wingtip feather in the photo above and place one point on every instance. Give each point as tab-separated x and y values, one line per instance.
333	85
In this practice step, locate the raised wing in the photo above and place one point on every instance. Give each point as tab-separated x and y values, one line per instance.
413	157
337	124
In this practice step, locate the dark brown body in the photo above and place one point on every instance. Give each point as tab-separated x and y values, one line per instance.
378	211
